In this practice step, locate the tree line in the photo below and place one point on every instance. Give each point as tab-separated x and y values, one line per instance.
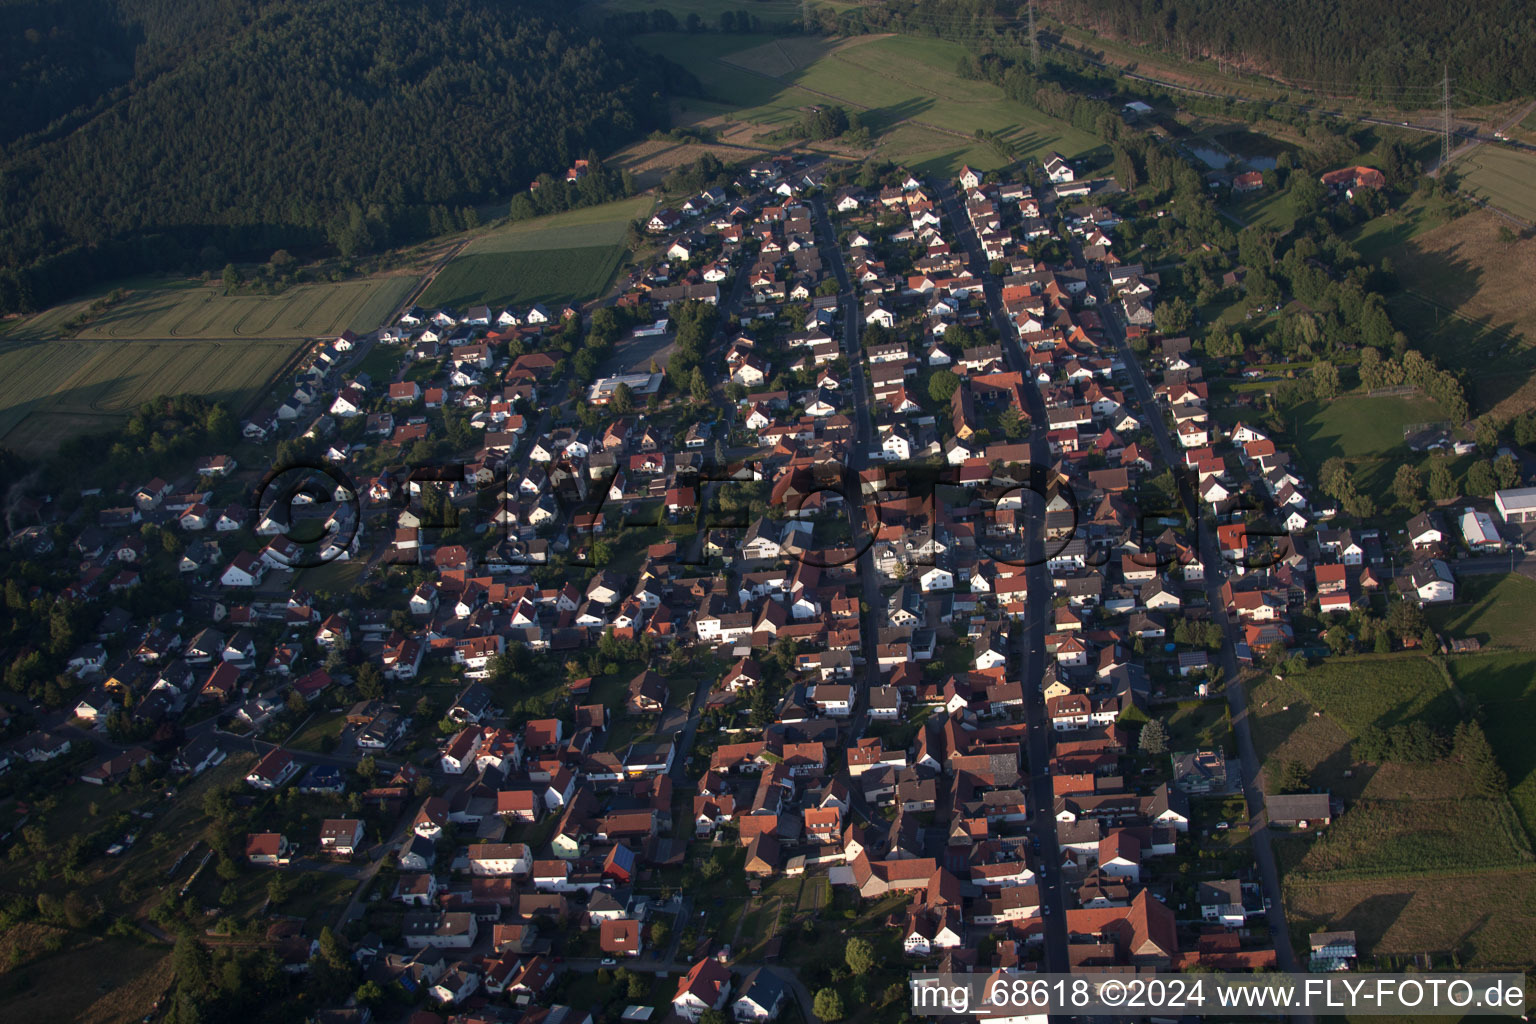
1377	48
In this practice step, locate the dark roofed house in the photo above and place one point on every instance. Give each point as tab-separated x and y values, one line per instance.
647	693
1299	810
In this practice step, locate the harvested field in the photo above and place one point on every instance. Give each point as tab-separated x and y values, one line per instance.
1487	918
1474	307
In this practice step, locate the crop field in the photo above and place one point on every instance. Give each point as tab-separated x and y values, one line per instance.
899	84
1486	918
1505	177
523	278
567	257
1504	686
191	309
1411	849
1288	726
1382	837
51	390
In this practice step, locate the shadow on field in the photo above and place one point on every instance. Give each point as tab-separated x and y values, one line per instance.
881	118
1371	918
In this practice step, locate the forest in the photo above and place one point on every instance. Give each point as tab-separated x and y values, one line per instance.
1380	48
179	137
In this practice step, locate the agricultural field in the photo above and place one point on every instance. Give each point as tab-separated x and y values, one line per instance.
1468	302
1386	837
1504	687
921	113
56	389
567	257
1485	917
191	309
1505	177
1408	834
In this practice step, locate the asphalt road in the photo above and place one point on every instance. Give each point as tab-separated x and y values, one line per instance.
1215	576
1039	794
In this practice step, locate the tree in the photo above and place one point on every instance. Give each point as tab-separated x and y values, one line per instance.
1011	420
698	387
1154	738
1172	317
1325	380
367	767
330	969
1486	432
1408	487
859	954
712	1015
1442	485
232	278
1471	748
1507	470
942	385
369	681
370	993
622	401
1480	478
828	1005
1507	236
1292	777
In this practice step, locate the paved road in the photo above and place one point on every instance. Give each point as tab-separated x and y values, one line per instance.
1215	576
858	460
1029	635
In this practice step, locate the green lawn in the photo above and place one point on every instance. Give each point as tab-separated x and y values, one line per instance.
1504	686
1355	426
1364	690
1273	210
1200	725
333	577
1498	610
319	729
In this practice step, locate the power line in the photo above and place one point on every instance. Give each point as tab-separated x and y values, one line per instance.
1445	130
1034	39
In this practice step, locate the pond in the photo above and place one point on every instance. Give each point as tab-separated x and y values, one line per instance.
1215	159
1218	159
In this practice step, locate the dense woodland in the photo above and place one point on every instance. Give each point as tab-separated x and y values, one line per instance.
1384	48
1381	48
282	124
